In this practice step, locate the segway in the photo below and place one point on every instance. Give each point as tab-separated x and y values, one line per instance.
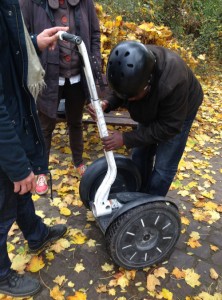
140	230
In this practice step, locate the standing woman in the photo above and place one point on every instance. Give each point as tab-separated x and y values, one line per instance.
64	76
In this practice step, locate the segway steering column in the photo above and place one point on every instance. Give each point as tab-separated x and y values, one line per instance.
101	205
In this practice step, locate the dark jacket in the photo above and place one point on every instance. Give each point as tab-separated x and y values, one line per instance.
37	20
175	96
21	142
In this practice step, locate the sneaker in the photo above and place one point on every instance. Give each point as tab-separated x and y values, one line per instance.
81	169
17	285
55	233
41	185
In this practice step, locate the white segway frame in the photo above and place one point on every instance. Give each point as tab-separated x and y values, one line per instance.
101	205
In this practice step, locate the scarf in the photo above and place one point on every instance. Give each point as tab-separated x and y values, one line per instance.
36	73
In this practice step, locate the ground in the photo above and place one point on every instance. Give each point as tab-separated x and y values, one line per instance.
79	267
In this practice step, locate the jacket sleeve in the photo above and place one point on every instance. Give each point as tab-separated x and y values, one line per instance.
172	112
95	32
13	159
114	102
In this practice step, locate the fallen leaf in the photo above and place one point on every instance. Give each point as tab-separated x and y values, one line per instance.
152	282
36	263
56	294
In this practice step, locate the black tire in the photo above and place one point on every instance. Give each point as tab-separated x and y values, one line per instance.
128	178
141	237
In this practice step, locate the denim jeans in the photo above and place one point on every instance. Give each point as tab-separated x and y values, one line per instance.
14	207
158	163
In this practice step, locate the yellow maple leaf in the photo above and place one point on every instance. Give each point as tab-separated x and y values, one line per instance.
210	206
35	197
183	193
213	274
118	21
65	211
214	248
201	56
122	281
78	296
210	178
60	280
178	273
91	243
60	245
66	150
40	213
112	292
167	294
19	262
209	195
79	267
206	296
101	288
35	264
107	267
71	284
190	185
50	256
161	272
214	216
219	208
195	235
78	237
185	220
4	297
152	282
56	294
192	278
193	243
130	274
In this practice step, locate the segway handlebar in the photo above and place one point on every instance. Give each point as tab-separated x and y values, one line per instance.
75	39
101	205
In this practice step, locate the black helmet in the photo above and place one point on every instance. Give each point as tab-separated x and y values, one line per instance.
129	68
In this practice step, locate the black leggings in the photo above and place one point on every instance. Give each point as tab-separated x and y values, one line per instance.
74	105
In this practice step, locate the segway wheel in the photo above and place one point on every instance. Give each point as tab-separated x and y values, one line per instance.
128	178
144	235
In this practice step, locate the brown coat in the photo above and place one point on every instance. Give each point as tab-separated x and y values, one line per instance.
36	21
175	96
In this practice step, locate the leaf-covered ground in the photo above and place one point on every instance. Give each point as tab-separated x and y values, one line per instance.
78	266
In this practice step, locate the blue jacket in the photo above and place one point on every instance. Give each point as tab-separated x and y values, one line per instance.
21	142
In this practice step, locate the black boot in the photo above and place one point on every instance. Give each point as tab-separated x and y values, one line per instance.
55	233
17	285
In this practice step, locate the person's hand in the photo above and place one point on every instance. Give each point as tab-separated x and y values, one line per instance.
26	185
91	110
49	37
113	141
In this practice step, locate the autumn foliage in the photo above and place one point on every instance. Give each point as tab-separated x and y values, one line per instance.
114	31
67	268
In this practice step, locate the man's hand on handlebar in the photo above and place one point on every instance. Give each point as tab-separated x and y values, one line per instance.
91	110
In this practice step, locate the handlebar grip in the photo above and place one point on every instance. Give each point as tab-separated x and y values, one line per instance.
75	39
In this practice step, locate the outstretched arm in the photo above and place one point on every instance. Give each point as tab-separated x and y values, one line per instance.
49	37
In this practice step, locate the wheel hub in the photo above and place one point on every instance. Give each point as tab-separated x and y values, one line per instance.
147	239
